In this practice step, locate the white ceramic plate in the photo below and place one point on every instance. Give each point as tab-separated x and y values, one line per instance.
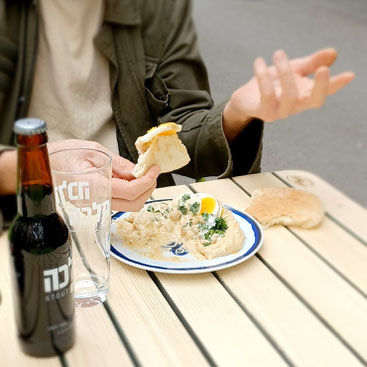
184	262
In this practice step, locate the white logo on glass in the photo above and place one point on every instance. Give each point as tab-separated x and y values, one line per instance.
73	191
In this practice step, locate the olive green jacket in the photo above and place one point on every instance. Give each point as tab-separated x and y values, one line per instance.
156	75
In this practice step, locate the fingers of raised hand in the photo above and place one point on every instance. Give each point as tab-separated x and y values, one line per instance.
320	88
285	89
266	89
339	81
277	86
309	64
289	94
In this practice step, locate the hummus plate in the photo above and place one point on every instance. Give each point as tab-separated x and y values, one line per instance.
179	260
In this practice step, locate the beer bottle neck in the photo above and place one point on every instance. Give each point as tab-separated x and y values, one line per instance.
35	192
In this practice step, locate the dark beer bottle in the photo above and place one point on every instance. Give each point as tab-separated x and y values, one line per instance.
40	248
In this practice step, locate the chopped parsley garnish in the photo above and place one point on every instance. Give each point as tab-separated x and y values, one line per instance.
220	224
211	227
205	216
150	209
208	235
183	209
194	208
187	224
186	197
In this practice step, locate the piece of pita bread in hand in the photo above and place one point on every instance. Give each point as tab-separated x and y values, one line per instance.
161	146
286	206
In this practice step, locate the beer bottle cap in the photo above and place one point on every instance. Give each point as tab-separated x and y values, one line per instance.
30	126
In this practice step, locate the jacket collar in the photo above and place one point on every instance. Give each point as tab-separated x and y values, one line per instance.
122	12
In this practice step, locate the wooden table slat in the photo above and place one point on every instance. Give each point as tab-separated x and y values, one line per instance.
324	290
300	301
214	315
332	242
153	330
286	318
97	343
347	211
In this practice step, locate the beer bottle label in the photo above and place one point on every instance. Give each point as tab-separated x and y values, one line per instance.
48	300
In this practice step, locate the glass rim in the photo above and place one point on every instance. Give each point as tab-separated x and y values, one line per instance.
90	170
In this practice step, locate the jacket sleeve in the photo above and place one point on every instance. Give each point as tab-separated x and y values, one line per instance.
183	74
8	206
9	13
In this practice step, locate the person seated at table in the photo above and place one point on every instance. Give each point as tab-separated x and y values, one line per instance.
103	74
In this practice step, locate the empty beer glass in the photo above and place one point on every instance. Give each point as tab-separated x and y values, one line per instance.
82	180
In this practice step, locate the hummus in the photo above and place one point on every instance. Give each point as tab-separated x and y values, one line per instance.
168	223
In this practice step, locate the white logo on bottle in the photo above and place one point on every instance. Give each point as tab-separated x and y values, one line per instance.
52	277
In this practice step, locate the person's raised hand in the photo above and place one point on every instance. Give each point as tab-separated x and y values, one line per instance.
283	89
128	193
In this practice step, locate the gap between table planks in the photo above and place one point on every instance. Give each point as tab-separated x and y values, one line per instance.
96	338
327	295
97	341
294	330
152	328
139	340
228	333
332	243
342	209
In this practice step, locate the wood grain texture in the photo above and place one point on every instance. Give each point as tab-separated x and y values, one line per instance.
303	338
301	301
227	332
332	242
153	330
97	342
335	300
340	206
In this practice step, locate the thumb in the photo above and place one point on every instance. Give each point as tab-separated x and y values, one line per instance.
153	172
122	167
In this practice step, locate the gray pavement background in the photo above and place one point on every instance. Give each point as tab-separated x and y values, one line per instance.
330	142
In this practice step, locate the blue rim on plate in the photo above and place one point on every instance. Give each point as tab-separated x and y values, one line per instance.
248	224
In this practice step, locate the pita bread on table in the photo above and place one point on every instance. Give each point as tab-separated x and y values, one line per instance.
286	206
161	146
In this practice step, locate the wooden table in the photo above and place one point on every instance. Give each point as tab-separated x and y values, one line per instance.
301	301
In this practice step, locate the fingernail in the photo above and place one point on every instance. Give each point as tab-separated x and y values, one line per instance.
279	54
331	49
